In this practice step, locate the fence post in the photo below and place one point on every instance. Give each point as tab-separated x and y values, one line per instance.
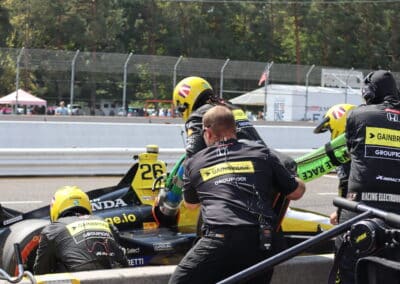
347	84
125	79
71	100
176	67
17	80
306	104
266	71
221	86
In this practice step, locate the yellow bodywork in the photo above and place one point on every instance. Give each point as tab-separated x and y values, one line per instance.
297	220
150	168
57	278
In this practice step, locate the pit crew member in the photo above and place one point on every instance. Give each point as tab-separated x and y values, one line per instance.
334	121
192	97
373	140
76	240
232	180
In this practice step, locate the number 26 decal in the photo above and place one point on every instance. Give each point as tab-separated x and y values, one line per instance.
151	171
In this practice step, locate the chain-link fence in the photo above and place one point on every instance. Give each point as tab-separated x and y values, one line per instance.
120	79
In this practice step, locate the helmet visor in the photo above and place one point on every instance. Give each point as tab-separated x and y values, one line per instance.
323	126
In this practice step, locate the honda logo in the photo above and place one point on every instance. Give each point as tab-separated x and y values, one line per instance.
393	117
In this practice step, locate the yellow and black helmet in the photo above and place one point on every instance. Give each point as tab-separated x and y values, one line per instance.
67	198
334	120
188	94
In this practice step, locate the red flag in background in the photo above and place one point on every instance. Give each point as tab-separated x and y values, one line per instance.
263	78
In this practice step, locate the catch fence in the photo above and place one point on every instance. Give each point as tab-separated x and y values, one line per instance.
121	79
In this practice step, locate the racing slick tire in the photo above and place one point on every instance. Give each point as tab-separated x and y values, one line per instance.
27	234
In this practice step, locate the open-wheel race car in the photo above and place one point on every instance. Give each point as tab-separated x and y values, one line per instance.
129	205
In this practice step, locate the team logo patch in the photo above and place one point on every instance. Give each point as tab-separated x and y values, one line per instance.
81	226
382	137
382	143
184	91
226	168
393	115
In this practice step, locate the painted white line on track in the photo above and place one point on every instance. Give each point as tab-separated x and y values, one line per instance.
21	202
327	193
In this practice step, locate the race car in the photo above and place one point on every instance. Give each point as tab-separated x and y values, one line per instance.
129	205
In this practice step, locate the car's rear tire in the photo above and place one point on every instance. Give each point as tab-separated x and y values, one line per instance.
27	234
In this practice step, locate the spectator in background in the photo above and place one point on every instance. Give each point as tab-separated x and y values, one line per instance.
61	110
112	110
99	111
35	110
260	115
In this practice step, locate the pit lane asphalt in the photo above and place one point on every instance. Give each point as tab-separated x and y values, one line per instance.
27	193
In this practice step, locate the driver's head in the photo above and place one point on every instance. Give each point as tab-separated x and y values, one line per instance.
191	93
334	120
69	200
379	86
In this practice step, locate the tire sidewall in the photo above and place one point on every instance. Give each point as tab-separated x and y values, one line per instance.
27	234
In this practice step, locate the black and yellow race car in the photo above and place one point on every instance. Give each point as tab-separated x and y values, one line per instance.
129	205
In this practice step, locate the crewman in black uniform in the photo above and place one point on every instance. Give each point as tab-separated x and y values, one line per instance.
192	97
233	181
373	140
76	240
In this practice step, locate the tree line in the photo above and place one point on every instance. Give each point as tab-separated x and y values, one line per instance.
343	34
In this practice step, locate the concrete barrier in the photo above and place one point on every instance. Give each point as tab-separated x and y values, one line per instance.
312	269
72	134
77	145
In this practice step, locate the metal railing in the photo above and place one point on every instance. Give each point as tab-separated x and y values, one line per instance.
82	161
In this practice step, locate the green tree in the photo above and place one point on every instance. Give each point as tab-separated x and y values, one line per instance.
6	73
328	33
76	24
394	36
5	25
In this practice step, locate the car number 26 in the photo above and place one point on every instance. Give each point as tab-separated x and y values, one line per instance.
151	171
